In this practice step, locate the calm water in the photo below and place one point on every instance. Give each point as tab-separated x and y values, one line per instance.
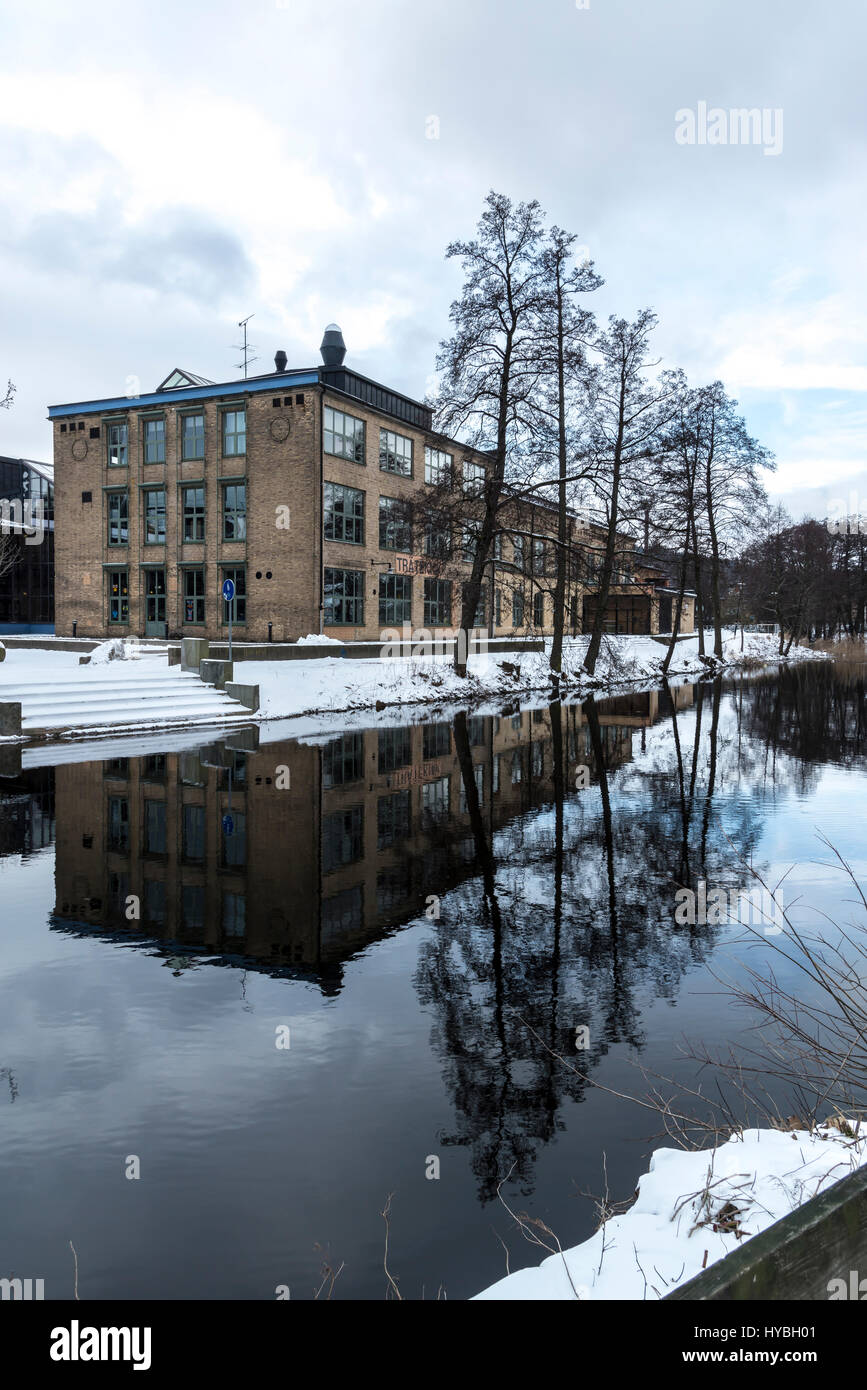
430	911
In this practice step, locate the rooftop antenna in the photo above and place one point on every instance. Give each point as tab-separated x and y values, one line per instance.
245	347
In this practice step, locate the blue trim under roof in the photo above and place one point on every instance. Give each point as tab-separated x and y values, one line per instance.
277	382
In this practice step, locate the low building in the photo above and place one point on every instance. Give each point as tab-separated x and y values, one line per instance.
311	490
26	546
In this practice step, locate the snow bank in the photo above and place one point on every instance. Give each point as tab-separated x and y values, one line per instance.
691	1210
117	649
312	640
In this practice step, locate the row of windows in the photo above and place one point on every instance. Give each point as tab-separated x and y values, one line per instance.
193	832
345	437
344	516
344	602
233	428
233	513
193	594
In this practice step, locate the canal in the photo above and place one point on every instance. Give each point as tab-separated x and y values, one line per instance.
253	987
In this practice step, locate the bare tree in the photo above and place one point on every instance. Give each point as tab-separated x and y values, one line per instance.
564	329
625	417
491	366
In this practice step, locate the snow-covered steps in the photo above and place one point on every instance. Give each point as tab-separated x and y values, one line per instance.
131	697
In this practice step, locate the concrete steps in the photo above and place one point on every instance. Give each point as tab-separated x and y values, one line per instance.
131	697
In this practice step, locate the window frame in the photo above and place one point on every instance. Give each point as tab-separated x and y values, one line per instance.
436	472
332	514
183	420
330	600
147	493
191	571
386	452
358	435
194	515
233	513
233	412
120	495
121	427
122	596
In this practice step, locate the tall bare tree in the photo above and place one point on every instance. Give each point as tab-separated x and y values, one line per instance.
626	414
564	329
491	366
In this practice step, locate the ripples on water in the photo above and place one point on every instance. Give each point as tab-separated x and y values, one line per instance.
431	911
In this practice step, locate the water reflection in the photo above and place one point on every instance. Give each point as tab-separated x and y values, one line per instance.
530	900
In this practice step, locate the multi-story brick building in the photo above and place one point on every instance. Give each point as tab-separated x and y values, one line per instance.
310	490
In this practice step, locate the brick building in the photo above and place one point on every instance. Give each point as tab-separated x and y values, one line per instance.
306	488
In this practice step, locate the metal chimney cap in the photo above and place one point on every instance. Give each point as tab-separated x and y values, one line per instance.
280	360
333	348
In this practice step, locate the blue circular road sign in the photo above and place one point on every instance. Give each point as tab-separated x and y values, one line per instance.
228	825
228	590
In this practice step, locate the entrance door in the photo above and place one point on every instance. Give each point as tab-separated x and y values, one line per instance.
155	603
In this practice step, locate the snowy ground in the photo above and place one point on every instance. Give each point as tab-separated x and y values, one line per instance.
289	689
691	1210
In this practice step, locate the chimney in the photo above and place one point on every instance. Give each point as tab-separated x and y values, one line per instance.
333	348
280	360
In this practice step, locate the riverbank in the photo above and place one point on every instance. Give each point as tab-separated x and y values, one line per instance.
690	1210
341	685
625	663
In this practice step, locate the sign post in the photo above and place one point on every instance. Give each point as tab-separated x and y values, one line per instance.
229	595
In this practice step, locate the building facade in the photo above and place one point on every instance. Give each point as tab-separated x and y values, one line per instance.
313	492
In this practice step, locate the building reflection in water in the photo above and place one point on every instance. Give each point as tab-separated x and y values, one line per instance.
227	860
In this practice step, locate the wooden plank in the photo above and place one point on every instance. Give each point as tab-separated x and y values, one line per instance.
797	1257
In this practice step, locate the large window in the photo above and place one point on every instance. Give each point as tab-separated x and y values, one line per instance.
118	444
538	557
344	598
438	467
155	441
194	595
437	538
474	478
344	435
395	453
342	838
118	518
233	848
343	761
118	824
517	609
538	609
434	802
393	820
469	542
395	532
194	513
395	600
437	602
518	552
234	433
234	511
238	606
344	514
436	740
194	834
118	596
155	516
154	827
394	749
193	437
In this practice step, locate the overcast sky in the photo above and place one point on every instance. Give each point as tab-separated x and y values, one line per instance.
170	169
